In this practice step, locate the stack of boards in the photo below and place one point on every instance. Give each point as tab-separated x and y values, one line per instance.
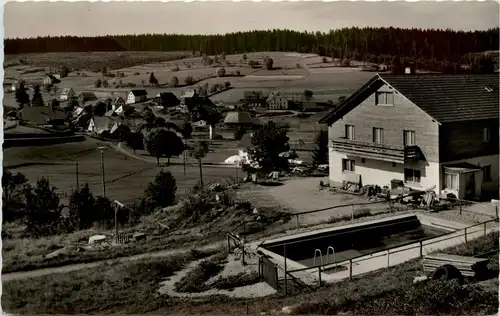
468	266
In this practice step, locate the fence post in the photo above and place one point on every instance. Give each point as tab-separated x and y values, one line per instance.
460	207
388	258
297	221
286	272
465	234
276	275
421	249
350	269
496	211
484	228
319	274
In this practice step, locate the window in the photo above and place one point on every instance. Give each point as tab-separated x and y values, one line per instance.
486	135
409	138
412	176
451	181
384	98
378	135
349	132
487	173
347	165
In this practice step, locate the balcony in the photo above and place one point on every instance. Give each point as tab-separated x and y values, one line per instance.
397	154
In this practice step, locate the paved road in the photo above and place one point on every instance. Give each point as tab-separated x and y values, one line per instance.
79	266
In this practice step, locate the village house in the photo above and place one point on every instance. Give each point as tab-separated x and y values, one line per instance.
253	99
51	79
420	132
66	94
166	100
136	96
276	101
117	102
99	125
43	116
84	97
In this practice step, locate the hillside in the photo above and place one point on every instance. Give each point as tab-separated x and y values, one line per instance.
378	45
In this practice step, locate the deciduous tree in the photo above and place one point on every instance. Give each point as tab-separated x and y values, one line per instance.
198	152
163	143
42	206
161	192
13	190
320	151
268	141
81	204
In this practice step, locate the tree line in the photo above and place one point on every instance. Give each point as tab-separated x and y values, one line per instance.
357	43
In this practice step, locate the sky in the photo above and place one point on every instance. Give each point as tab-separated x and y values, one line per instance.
31	19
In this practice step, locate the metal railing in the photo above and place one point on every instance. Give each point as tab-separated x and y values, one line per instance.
467	231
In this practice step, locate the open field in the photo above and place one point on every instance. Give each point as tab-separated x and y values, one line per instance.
126	178
325	83
106	289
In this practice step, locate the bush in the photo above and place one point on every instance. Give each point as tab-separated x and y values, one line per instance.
238	280
189	80
194	281
174	81
161	192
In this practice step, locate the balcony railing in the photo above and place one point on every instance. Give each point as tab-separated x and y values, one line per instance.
397	154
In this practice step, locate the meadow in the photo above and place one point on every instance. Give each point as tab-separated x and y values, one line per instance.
292	73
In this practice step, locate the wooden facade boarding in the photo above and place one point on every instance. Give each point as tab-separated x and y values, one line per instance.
268	271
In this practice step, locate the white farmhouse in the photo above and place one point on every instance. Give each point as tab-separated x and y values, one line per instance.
276	101
136	96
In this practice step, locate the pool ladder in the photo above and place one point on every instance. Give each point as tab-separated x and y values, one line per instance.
327	257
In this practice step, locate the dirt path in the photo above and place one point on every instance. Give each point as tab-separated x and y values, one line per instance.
79	266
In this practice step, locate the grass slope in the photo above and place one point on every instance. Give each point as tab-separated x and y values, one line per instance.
384	292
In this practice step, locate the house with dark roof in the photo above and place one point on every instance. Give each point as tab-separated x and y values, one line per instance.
166	100
42	115
51	79
254	98
136	96
66	94
84	97
419	131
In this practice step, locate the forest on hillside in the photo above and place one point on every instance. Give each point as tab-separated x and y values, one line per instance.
428	47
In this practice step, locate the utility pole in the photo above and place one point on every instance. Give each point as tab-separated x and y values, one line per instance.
102	170
184	160
77	183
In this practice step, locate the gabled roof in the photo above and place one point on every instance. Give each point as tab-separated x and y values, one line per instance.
66	91
116	100
252	94
139	92
245	141
53	78
87	96
168	98
238	117
40	115
273	95
445	98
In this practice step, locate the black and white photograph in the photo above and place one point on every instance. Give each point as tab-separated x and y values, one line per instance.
251	158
